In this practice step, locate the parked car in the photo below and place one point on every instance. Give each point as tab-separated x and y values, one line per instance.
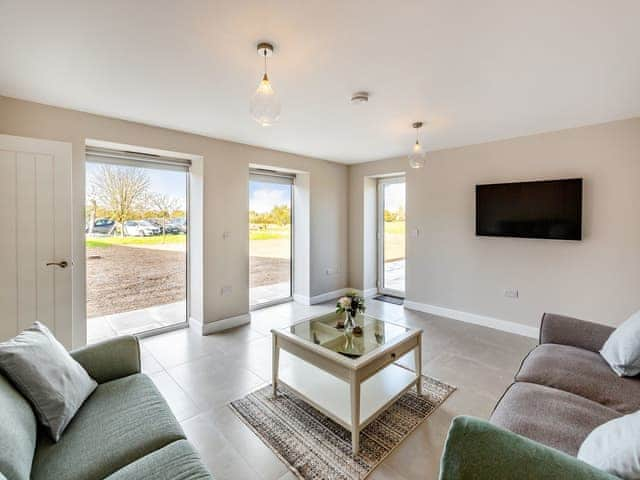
177	225
140	228
103	226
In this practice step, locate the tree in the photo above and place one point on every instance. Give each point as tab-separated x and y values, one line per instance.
164	206
121	190
281	215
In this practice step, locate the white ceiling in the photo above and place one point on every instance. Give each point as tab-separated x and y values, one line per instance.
475	71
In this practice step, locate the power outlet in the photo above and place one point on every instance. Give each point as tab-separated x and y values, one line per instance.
332	271
511	293
226	290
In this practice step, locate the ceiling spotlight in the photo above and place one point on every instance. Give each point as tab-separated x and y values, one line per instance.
417	155
265	106
359	98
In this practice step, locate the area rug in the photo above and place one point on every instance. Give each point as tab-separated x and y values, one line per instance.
315	447
389	299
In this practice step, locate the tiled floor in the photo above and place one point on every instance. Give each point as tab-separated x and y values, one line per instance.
200	375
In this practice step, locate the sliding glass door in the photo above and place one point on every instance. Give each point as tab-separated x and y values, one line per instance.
270	238
136	244
391	236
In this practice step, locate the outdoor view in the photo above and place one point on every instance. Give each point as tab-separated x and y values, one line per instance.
269	239
394	237
136	230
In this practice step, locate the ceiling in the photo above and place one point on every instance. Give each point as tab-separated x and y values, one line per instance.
473	71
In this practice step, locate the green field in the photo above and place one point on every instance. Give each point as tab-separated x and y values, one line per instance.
117	240
272	232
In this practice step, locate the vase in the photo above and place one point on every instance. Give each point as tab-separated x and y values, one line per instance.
349	322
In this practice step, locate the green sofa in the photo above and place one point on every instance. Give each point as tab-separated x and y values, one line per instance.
124	430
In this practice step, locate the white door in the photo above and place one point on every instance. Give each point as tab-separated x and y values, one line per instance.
35	243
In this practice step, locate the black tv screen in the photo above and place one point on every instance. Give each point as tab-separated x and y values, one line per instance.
544	209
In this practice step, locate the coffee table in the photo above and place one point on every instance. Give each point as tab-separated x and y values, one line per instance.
350	378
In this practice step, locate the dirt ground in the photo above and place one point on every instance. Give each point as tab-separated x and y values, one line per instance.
120	279
267	271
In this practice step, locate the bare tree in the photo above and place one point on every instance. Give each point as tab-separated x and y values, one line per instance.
164	206
121	190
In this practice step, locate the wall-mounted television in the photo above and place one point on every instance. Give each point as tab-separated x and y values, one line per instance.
549	209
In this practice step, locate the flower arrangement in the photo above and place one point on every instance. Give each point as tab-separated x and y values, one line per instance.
351	303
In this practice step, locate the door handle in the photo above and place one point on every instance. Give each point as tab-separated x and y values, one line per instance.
62	264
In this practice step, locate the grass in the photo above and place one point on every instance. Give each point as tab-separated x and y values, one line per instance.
117	240
273	232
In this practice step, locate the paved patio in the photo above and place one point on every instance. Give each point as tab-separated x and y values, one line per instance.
394	273
135	321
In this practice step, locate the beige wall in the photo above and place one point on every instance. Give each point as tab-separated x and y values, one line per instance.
225	199
448	266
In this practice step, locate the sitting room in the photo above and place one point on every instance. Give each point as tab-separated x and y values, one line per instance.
319	240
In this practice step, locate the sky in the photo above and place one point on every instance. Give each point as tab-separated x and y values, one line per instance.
394	196
167	182
264	196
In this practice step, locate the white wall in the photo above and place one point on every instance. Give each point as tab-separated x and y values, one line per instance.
225	195
448	266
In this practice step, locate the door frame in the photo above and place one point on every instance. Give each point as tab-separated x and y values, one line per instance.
382	182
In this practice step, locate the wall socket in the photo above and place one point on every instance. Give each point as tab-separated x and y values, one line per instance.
332	271
511	293
226	290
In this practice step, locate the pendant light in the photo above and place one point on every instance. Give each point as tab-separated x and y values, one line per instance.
265	106
417	155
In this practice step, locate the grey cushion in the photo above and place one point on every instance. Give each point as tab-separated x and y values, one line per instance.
122	421
622	348
44	372
571	331
176	461
615	447
18	429
552	417
581	372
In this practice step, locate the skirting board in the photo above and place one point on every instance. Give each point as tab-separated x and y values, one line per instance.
473	318
219	325
325	297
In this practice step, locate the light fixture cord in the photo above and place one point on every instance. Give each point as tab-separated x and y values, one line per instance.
265	61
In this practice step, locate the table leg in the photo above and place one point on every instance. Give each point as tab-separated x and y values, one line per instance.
355	415
275	363
417	354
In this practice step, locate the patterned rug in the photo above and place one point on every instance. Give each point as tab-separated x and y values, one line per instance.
315	447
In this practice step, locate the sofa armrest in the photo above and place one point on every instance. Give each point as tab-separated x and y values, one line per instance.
478	450
573	332
111	359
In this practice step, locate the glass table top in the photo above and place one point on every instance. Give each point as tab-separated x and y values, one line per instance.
322	331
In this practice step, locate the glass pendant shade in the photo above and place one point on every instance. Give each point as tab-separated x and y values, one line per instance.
265	106
417	156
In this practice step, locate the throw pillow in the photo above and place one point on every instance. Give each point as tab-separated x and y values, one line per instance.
622	348
615	447
46	375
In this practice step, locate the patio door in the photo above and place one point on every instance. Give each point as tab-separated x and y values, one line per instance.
270	238
391	236
35	245
137	225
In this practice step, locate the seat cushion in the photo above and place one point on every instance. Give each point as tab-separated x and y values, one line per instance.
583	373
176	461
552	417
122	421
18	428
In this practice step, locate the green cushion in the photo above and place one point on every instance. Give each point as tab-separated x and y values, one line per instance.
478	450
18	429
122	421
176	461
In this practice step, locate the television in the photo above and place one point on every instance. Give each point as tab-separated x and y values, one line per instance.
550	209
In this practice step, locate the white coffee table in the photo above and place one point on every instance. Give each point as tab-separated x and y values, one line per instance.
349	378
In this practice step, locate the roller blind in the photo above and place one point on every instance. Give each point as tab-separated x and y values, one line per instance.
134	159
271	176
